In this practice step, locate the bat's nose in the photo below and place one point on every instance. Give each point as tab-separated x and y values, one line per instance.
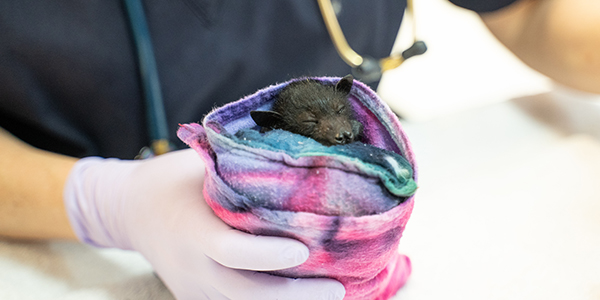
344	137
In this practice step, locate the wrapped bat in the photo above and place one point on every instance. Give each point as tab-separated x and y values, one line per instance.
349	203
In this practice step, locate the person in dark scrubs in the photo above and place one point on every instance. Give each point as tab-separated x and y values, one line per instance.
73	116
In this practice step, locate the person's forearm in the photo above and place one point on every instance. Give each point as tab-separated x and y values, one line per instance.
31	191
558	38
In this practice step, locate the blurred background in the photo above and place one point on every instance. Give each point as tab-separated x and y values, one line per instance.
464	67
508	205
509	172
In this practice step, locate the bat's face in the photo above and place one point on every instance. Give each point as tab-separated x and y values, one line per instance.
330	120
314	110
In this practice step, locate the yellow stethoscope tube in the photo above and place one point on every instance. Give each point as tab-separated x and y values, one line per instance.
366	68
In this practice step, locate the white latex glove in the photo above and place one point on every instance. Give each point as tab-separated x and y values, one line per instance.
156	207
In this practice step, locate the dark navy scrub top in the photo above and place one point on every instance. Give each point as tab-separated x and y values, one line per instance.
69	80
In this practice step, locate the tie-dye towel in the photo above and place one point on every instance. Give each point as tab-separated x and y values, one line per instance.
349	204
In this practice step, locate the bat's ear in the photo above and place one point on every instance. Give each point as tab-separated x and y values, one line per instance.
268	119
345	84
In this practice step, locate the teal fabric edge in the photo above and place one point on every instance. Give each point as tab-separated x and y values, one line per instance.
397	187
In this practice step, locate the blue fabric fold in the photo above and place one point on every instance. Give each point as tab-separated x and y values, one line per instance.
391	168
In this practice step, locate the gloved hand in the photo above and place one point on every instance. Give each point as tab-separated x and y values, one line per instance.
156	207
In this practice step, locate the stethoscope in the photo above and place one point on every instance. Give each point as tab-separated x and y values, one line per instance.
366	69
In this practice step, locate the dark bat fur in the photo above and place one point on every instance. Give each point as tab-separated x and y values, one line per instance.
314	110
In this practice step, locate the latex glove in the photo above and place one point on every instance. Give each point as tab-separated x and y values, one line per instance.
156	207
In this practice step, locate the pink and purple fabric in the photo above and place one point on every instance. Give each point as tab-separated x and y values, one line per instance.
349	204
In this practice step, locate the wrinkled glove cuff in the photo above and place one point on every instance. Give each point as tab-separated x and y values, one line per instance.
94	201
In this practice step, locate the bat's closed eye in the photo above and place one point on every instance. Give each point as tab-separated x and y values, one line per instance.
310	122
341	109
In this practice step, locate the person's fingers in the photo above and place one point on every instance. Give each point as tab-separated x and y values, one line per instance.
208	293
227	246
193	287
263	286
236	249
194	224
251	285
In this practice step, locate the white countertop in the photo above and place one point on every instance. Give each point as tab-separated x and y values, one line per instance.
508	205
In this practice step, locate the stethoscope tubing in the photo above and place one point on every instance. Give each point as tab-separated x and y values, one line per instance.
156	117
